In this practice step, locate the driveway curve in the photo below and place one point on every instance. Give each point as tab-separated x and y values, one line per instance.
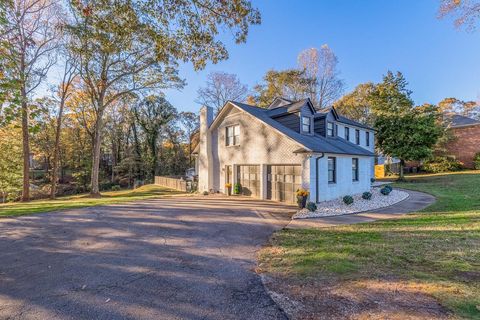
170	258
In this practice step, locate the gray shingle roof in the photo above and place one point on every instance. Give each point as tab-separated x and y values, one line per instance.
457	120
351	122
316	143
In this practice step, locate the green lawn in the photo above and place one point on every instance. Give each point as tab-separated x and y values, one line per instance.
437	249
79	201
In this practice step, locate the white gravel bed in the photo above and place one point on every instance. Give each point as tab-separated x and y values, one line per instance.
338	207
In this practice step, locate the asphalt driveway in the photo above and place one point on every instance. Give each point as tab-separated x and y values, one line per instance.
171	258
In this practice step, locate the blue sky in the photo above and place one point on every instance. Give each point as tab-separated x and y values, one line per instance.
369	38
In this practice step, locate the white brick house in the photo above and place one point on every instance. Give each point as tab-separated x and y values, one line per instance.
274	151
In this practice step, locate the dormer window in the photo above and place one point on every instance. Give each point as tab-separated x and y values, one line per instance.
233	135
347	133
330	129
306	124
357	136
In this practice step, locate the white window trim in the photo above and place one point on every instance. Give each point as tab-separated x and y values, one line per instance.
310	125
235	142
333	128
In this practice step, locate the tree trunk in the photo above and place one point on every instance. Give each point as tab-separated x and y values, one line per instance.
97	143
53	188
401	176
26	146
155	161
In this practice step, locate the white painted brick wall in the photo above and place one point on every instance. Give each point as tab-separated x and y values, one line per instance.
259	144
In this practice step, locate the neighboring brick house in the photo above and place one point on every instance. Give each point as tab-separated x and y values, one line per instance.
466	141
274	151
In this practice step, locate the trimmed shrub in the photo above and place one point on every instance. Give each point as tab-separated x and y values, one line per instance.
372	180
440	164
367	195
116	188
389	187
311	206
476	161
237	188
205	193
385	191
348	200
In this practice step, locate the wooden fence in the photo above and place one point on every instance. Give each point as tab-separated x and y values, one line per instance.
173	183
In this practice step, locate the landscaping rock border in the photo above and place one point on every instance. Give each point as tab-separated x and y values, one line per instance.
338	207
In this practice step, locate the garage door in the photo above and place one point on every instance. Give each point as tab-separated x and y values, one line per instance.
249	178
283	182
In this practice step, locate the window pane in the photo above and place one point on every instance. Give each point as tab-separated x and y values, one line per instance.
355	169
305	120
331	169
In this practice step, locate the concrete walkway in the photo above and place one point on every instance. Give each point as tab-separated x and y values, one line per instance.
415	202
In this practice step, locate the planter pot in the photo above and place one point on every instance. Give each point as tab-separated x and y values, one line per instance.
229	191
302	202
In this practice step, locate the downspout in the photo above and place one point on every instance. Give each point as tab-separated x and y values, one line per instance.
316	176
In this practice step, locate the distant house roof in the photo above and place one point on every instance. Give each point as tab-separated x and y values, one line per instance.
291	107
342	119
279	102
457	120
314	143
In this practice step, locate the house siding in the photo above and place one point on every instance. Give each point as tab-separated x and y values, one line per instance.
259	145
320	126
344	184
465	144
291	121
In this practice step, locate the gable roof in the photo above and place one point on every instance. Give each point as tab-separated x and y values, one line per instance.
291	108
278	102
314	143
457	120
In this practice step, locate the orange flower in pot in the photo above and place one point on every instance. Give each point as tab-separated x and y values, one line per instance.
302	196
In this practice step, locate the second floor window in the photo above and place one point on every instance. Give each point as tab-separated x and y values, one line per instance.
306	124
330	129
367	138
332	170
357	136
233	135
347	133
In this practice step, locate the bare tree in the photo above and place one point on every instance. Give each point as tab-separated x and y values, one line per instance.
63	93
466	12
33	35
220	88
320	66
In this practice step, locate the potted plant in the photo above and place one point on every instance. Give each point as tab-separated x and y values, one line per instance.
228	187
237	188
302	196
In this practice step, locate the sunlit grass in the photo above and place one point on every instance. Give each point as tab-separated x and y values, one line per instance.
79	201
438	248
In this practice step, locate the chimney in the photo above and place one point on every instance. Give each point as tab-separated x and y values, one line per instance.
205	171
